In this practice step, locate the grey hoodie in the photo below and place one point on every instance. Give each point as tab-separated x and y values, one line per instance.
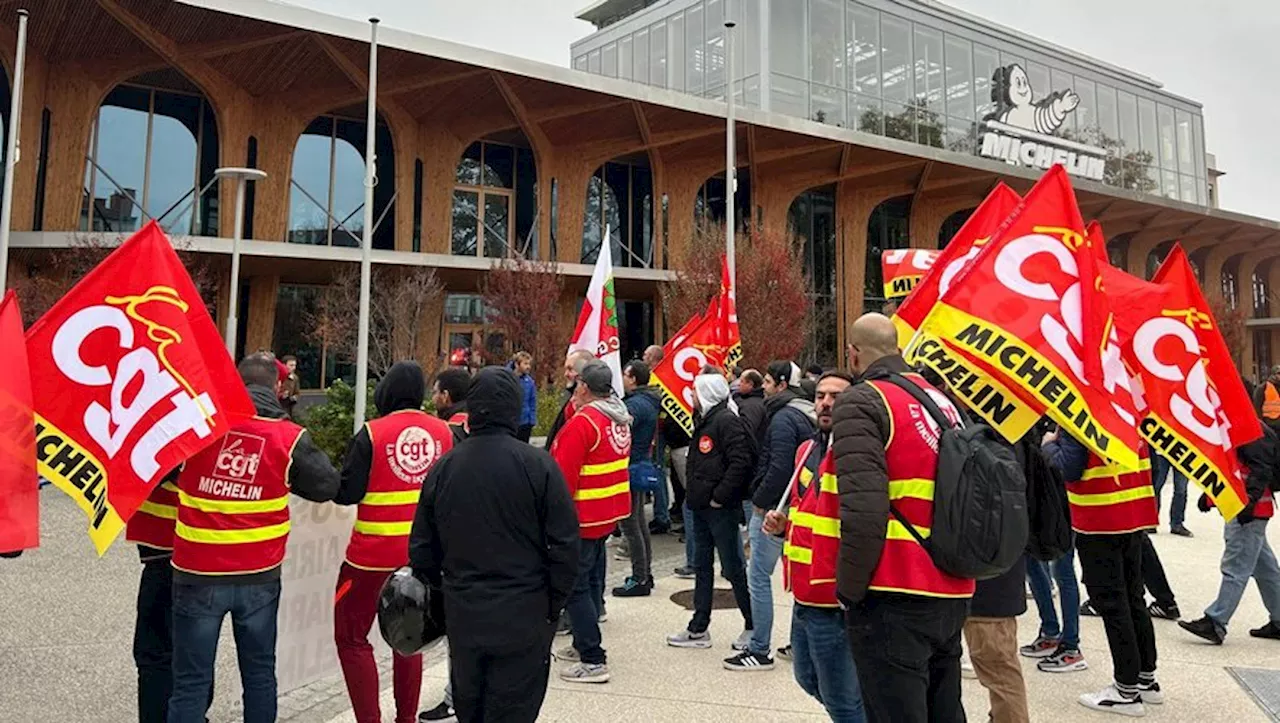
616	410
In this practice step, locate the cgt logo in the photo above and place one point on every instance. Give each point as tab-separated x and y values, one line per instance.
239	457
412	454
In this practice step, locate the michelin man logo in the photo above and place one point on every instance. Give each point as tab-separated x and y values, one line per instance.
1021	131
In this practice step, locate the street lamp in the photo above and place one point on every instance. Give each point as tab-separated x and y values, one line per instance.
241	176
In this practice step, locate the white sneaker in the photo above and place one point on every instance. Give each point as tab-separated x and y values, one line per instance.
966	668
741	643
686	639
568	654
585	673
1109	700
1150	692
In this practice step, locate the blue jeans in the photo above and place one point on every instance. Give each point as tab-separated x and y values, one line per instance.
823	664
198	611
717	533
1160	468
1064	572
1247	554
584	604
661	496
765	551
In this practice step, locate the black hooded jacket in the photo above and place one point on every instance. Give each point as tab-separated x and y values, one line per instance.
404	387
496	528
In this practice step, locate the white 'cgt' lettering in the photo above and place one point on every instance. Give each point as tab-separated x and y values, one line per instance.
141	364
919	260
1199	395
681	364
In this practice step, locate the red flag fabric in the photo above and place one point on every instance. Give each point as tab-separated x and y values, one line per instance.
902	269
130	378
726	309
19	484
678	338
674	374
1020	308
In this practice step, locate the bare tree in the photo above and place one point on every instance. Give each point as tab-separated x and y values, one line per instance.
521	297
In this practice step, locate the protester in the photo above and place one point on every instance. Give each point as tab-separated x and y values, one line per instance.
643	401
1164	604
1057	645
1266	400
790	420
385	465
593	450
291	391
1161	469
904	614
496	532
573	362
661	523
1247	552
822	663
449	396
1111	512
750	400
719	469
229	542
523	367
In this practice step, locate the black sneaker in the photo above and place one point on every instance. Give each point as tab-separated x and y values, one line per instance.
1180	531
1164	612
659	528
748	662
1270	631
442	712
1203	628
1088	610
784	652
633	588
1063	660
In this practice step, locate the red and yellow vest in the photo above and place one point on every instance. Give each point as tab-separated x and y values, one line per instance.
812	549
604	483
911	457
233	512
405	446
1266	507
153	523
1270	401
462	421
1105	501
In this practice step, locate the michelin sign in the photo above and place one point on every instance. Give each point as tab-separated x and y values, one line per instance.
1021	130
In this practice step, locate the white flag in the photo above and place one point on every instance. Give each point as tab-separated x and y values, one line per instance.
597	327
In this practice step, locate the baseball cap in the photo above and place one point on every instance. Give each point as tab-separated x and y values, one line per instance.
597	376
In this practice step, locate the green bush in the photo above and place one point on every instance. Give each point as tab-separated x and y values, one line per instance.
549	401
330	423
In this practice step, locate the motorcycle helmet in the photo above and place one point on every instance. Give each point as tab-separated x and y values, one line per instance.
410	613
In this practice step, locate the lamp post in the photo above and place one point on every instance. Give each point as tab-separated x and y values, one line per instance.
241	176
730	154
11	148
366	239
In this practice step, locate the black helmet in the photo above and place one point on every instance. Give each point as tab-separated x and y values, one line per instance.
410	613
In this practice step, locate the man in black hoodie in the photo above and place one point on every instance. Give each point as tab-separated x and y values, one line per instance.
497	531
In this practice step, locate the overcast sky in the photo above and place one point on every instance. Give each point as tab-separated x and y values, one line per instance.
1221	54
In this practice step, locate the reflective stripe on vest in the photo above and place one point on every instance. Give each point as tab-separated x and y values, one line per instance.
812	548
604	485
1107	502
233	501
1270	402
406	445
153	522
911	458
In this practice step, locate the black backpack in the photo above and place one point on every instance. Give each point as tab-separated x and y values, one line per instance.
980	523
1047	508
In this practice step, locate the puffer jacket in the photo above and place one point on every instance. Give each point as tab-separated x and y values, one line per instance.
643	404
719	466
790	420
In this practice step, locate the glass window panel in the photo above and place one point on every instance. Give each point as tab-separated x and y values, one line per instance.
867	114
617	213
468	171
985	62
1200	192
827	105
896	58
121	156
348	190
625	70
930	127
1041	82
1087	112
593	62
675	52
309	188
750	91
172	174
1108	117
899	121
928	64
526	210
497	224
1186	150
960	136
1147	128
786	42
1188	184
1168	138
640	58
609	60
864	65
580	62
826	42
1130	137
1141	177
658	55
1007	59
499	165
1197	147
466	211
1171	188
714	52
959	77
694	51
294	304
789	95
747	38
592	221
1062	81
641	214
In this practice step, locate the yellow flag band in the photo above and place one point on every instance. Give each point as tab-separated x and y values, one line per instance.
996	403
1188	459
74	470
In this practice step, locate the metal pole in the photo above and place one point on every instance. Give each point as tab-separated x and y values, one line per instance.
366	242
233	298
11	148
730	155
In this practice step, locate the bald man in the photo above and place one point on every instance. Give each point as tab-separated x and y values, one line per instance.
885	451
652	356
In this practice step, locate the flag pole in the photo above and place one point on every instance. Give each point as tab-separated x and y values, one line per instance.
11	147
730	154
366	242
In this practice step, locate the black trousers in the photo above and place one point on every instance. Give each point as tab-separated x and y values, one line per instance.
1112	566
153	641
907	650
1153	575
504	685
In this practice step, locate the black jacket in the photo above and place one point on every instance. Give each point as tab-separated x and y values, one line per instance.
790	422
459	431
1001	597
404	387
751	408
1260	457
496	528
860	429
720	463
563	416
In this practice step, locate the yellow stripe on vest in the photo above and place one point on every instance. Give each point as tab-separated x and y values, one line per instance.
605	467
380	499
1144	465
829	484
233	507
802	555
918	488
898	531
1110	498
825	526
169	486
602	492
167	512
383	529
231	537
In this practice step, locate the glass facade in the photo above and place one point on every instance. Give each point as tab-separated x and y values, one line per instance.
495	199
326	186
915	74
619	202
812	219
888	228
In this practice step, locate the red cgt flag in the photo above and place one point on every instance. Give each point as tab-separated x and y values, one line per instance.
19	484
1020	308
725	308
131	378
902	269
674	374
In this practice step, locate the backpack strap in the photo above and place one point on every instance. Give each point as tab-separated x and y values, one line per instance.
921	396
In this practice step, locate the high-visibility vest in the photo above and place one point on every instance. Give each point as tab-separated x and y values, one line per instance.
461	421
1105	501
911	457
406	444
604	485
233	501
1270	402
812	549
153	523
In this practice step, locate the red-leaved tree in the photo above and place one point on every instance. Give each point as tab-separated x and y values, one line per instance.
521	298
1231	324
